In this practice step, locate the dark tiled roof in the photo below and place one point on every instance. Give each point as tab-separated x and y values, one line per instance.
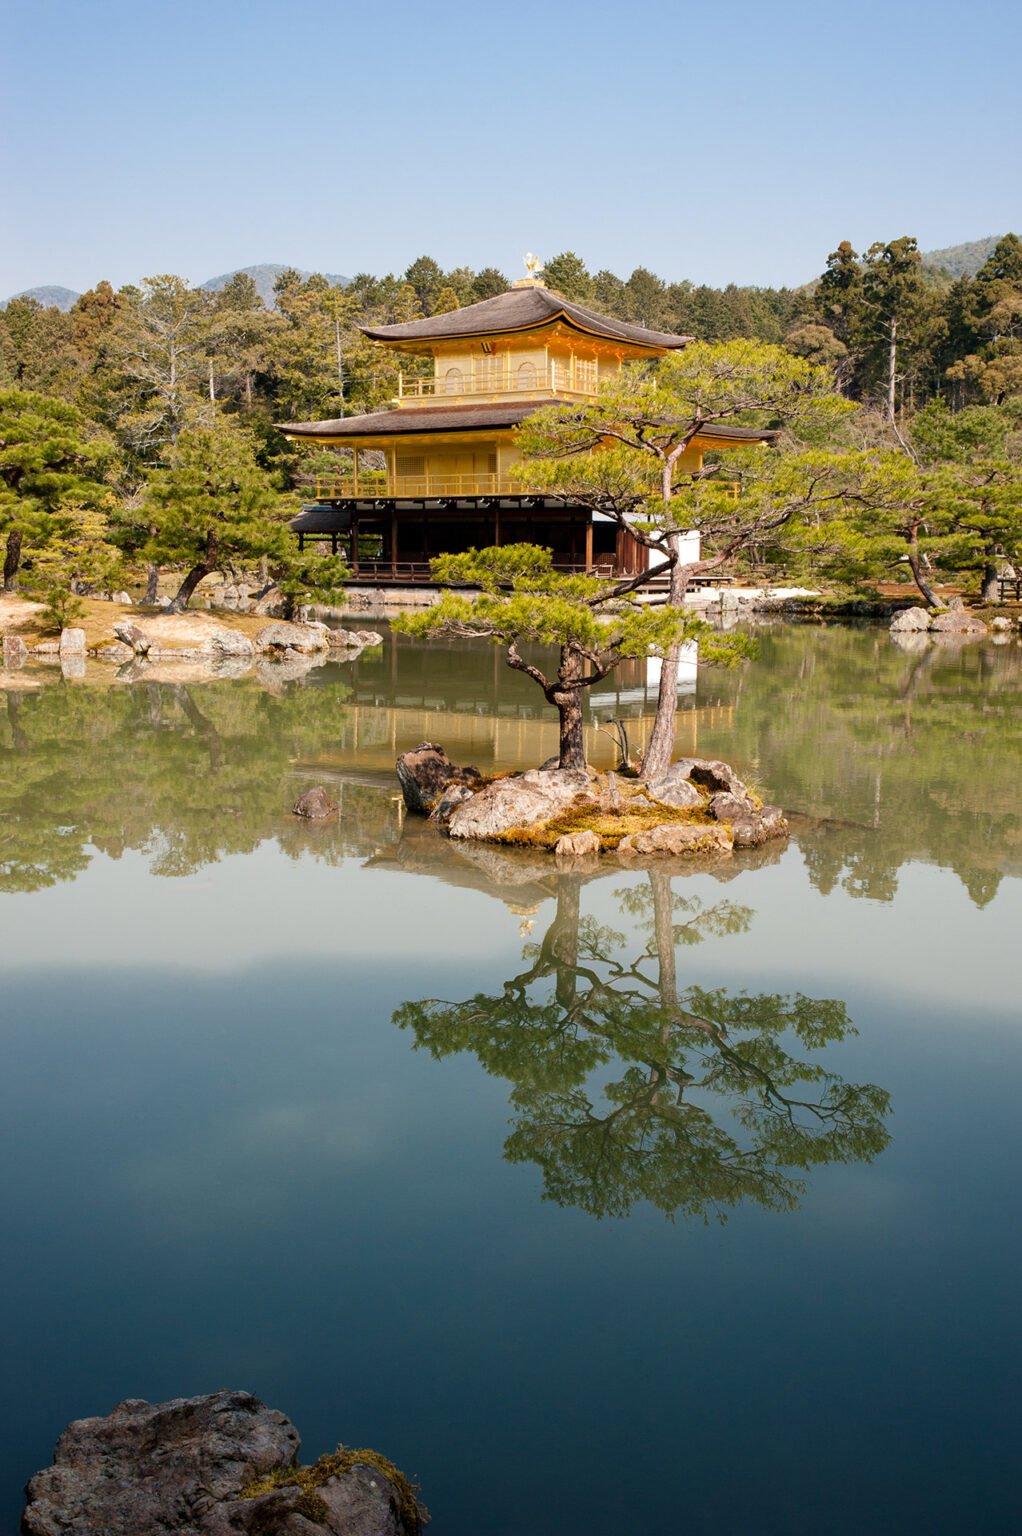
320	519
453	418
463	418
522	309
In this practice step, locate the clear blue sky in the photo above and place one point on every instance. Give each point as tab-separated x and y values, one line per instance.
732	142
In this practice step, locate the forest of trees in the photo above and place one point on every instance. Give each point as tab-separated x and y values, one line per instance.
101	404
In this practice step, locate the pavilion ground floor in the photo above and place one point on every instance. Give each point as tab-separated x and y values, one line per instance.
391	540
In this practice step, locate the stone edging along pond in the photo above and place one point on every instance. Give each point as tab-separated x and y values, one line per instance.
698	807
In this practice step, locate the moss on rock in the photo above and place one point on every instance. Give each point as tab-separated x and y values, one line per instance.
412	1515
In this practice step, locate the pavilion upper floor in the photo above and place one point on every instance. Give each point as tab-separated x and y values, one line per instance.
527	343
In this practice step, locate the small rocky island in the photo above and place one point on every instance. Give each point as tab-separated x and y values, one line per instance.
218	1465
698	807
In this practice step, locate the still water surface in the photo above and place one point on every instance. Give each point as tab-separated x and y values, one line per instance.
661	1201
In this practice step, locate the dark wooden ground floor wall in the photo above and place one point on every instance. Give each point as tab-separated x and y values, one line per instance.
399	543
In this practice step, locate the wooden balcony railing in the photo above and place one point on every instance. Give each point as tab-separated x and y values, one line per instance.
374	483
500	379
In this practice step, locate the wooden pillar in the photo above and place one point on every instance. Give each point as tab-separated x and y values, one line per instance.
496	526
333	543
589	543
354	471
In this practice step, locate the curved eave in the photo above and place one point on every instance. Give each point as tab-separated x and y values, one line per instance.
426	345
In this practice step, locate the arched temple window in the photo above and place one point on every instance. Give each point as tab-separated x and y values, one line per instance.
525	377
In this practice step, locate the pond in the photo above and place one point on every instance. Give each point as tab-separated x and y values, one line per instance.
651	1200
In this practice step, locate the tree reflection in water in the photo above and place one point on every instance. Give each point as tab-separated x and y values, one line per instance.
628	1087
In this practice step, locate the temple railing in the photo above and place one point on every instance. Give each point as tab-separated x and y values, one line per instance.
375	483
501	380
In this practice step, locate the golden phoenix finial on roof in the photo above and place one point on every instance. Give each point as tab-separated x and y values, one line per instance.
533	265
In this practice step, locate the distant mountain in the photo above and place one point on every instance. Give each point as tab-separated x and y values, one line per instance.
961	260
264	277
53	297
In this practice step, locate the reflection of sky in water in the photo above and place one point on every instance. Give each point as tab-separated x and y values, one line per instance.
225	1166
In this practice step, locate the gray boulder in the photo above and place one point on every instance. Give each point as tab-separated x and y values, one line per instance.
958	621
679	838
272	604
315	804
151	1468
342	639
453	796
577	845
775	821
676	790
15	652
124	598
302	638
130	634
1001	625
725	806
520	802
910	620
750	828
72	642
425	773
228	642
707	774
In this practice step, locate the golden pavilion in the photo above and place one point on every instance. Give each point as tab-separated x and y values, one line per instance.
448	445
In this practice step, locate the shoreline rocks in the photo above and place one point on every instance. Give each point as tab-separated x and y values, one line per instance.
699	806
222	1464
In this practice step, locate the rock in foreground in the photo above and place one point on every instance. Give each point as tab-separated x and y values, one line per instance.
216	1465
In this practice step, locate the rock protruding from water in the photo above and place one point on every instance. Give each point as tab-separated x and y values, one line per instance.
425	773
910	621
957	621
282	637
219	1465
314	805
697	806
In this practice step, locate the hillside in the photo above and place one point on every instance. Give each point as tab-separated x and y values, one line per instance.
264	276
961	260
51	297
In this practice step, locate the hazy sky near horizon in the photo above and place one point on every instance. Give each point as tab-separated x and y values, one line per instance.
727	143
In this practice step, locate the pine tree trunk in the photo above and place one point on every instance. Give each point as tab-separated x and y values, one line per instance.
991	591
12	560
186	590
915	565
660	747
152	584
568	702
